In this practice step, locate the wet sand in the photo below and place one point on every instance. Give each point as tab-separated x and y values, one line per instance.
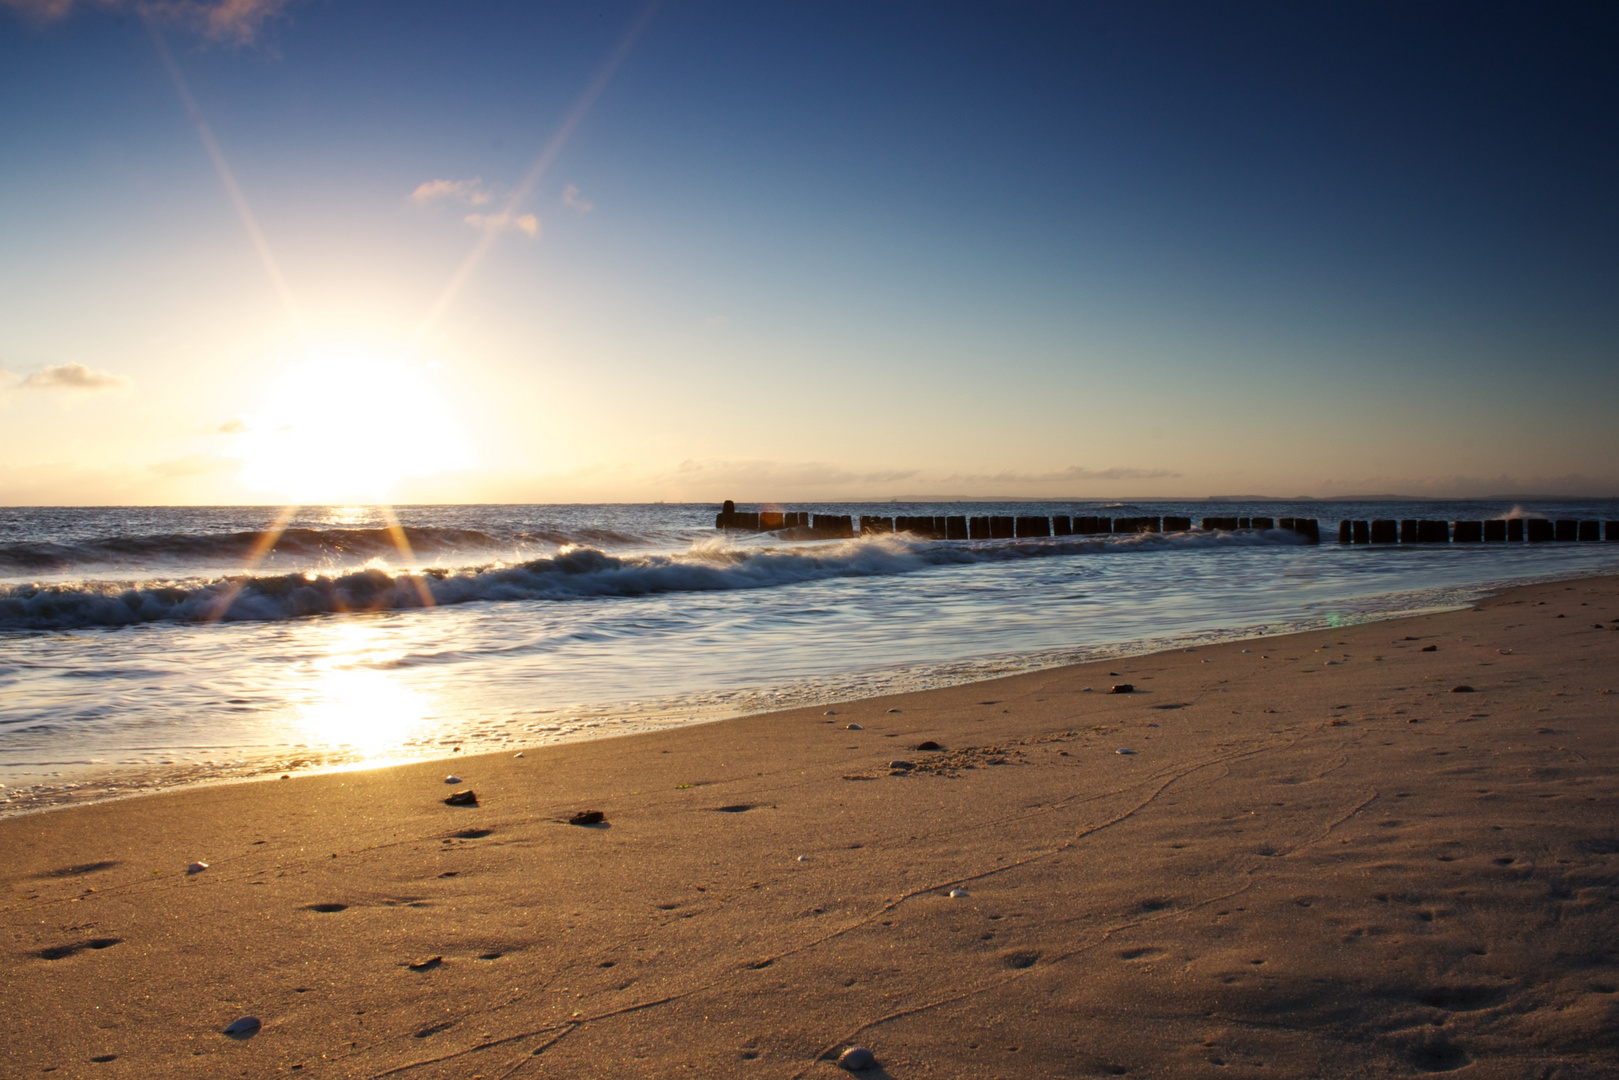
1319	860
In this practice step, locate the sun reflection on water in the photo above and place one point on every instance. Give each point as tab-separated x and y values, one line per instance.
353	702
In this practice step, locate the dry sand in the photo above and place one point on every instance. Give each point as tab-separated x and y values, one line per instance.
1319	861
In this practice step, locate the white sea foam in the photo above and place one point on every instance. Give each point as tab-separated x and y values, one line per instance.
575	573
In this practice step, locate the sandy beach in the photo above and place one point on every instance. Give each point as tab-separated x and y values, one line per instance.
1313	855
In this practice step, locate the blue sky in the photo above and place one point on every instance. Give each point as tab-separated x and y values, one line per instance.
801	251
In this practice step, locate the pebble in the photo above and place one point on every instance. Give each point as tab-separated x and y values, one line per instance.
803	858
1124	750
452	779
901	765
857	1059
1123	688
588	817
1086	690
830	712
1245	650
1430	648
1463	689
463	798
928	744
243	1028
854	727
196	868
893	710
518	754
427	965
959	893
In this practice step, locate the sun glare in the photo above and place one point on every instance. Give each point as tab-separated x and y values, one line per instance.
352	701
338	428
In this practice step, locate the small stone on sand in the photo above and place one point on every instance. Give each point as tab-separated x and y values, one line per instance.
427	965
959	894
901	765
854	727
1124	750
1462	689
1123	688
803	858
1430	648
893	710
518	754
830	712
857	1059
244	1028
462	798
196	868
452	779
928	744
588	817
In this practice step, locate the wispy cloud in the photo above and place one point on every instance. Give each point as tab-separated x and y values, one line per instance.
234	426
571	197
231	22
765	475
1071	474
73	378
472	192
527	224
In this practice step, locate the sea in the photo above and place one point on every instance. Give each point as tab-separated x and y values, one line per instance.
143	648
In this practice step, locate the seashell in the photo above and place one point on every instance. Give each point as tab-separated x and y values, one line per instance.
959	893
244	1028
452	779
1124	750
196	868
854	727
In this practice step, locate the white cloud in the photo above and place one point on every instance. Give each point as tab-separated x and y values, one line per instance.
233	22
570	197
527	224
234	426
472	192
70	377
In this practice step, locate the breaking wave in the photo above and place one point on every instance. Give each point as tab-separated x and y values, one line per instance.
305	545
574	574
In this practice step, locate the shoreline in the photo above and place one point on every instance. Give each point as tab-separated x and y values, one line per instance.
1317	860
122	782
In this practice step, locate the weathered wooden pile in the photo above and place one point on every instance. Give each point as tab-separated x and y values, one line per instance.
1497	530
802	526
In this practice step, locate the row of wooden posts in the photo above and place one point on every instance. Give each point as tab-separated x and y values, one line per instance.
837	526
1499	530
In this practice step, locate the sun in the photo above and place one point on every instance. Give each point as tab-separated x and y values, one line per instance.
348	428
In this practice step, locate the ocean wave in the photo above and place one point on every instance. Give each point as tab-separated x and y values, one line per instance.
306	545
573	574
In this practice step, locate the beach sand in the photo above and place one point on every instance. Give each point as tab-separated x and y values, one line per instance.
1319	860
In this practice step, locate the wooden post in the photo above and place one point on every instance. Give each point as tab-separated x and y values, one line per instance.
1468	532
1177	524
955	528
978	528
1538	530
1032	526
1344	532
1062	525
1590	530
1408	531
1363	533
1495	531
1567	531
1514	530
1612	532
1385	532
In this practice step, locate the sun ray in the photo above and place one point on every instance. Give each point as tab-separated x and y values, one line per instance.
255	555
576	115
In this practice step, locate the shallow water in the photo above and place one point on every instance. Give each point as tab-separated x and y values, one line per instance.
149	646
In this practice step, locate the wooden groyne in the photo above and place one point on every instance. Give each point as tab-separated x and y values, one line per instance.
1494	531
803	526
